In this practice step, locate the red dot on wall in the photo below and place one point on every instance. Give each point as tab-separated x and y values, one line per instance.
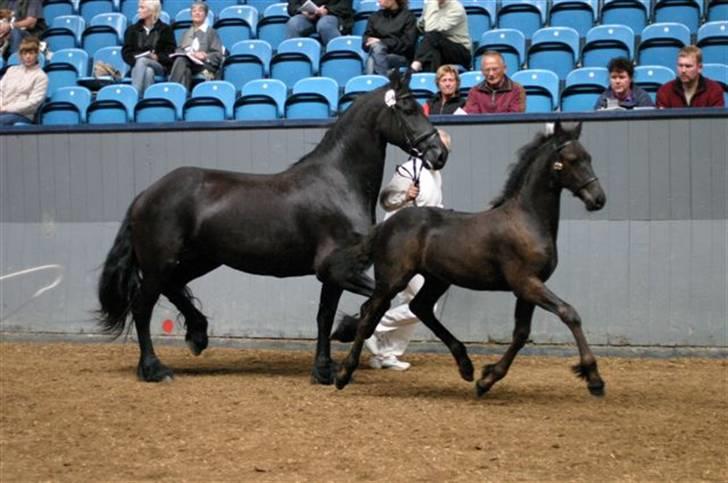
167	326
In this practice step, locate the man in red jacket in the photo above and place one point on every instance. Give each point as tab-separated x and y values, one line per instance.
497	93
690	88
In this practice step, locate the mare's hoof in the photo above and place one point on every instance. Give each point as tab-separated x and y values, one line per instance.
480	390
196	344
466	369
322	376
342	379
596	389
155	372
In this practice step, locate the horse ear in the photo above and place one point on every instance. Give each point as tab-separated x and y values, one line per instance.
394	79
569	129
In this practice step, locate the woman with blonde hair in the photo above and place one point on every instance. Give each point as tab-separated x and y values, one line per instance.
148	45
447	100
23	87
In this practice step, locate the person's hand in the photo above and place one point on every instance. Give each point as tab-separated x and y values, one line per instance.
371	41
412	192
200	55
153	55
4	29
321	11
310	16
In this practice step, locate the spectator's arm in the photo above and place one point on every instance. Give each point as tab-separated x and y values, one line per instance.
471	106
663	99
34	100
128	50
293	7
404	44
338	8
28	23
166	45
214	51
518	102
716	99
445	20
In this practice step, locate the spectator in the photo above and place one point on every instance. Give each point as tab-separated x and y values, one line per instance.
448	99
690	88
390	37
622	93
446	37
25	20
329	18
411	185
497	93
23	87
147	46
200	50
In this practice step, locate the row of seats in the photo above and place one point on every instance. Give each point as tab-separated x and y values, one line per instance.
318	97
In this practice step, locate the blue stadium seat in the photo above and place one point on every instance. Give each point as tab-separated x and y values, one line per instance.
344	59
261	5
468	80
713	40
247	60
577	14
108	55
261	100
542	89
88	9
510	43
65	67
362	14
163	102
57	8
217	6
237	23
686	12
313	98
718	73
524	15
631	13
272	27
113	105
717	10
129	8
481	17
651	77
605	42
183	21
296	59
359	85
67	106
583	87
210	101
64	33
423	86
661	42
555	49
173	7
105	30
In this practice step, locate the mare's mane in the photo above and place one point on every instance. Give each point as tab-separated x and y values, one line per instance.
517	171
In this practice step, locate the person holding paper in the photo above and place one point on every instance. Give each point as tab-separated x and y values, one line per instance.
329	18
147	46
200	50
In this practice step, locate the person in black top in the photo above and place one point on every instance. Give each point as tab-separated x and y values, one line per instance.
147	46
390	37
329	18
448	99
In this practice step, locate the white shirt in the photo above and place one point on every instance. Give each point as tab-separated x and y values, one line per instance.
394	194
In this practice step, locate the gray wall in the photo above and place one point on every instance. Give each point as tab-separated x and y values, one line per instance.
649	269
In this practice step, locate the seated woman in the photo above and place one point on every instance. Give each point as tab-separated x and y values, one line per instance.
390	37
622	93
200	50
329	18
147	46
23	87
447	100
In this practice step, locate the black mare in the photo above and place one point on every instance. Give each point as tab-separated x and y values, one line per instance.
297	222
511	247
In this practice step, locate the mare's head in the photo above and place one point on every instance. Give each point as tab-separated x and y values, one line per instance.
402	122
571	166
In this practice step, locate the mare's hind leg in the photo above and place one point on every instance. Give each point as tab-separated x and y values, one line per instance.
322	372
150	368
536	292
195	321
495	372
423	306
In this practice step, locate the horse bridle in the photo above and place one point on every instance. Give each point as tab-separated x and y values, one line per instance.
558	166
413	140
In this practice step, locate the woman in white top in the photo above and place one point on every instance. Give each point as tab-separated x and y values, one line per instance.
23	88
411	185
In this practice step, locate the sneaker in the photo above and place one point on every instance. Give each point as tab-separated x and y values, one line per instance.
395	364
375	362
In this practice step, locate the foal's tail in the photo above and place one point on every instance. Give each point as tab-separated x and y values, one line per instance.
120	283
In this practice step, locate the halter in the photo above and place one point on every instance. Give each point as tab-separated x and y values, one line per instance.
558	166
413	140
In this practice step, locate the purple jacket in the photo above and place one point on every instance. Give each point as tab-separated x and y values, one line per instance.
509	97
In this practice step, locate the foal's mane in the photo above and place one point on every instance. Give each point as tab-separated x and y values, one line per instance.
527	154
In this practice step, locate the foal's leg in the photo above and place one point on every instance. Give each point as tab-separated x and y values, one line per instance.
150	368
322	371
423	306
536	292
195	321
495	372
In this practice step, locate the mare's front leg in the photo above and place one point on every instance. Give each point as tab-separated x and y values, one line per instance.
492	373
423	306
322	372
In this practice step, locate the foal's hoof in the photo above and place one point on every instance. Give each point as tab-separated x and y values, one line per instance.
596	389
480	390
155	372
197	343
342	379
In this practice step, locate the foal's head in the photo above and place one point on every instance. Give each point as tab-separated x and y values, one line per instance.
571	166
404	123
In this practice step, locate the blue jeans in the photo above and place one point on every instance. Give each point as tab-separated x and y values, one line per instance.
143	72
326	26
380	60
10	118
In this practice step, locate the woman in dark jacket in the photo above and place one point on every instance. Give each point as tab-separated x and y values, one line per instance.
148	45
448	99
390	37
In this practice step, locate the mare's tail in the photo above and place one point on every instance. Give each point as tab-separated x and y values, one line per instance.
119	284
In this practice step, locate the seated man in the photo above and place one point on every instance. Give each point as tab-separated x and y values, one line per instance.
497	93
26	19
690	88
622	93
329	18
446	38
